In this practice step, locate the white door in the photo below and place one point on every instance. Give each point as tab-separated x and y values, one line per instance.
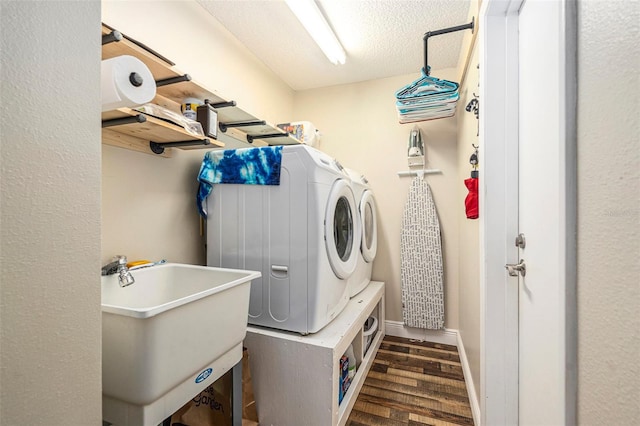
542	214
528	137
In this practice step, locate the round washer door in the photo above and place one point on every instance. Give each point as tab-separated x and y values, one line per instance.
342	231
369	244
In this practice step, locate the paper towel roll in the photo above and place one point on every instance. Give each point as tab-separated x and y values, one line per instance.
126	82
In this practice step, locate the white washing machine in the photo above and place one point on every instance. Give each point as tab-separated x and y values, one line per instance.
369	226
303	235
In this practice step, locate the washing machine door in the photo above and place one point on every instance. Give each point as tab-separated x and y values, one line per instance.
369	245
342	231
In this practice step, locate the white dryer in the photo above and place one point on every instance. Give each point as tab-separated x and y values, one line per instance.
369	226
303	235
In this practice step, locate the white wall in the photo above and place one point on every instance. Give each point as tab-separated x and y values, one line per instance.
608	213
50	217
469	243
148	203
359	127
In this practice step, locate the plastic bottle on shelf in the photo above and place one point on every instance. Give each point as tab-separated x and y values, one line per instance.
352	362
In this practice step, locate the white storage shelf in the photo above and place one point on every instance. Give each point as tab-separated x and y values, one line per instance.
295	378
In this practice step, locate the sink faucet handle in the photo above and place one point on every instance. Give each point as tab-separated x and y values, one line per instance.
125	278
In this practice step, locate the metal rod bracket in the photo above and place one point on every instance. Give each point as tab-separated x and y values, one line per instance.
429	34
251	138
224	126
173	80
124	120
111	37
158	147
222	104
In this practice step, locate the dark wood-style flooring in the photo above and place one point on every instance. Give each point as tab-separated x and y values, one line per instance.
413	383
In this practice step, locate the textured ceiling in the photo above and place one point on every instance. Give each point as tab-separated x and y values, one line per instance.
382	38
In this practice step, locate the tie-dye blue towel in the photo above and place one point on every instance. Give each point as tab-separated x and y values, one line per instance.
250	166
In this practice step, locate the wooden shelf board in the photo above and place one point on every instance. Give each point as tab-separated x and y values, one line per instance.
234	115
122	140
259	130
153	129
159	68
284	140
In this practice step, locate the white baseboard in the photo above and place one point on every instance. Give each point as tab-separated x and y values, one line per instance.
398	329
445	337
468	379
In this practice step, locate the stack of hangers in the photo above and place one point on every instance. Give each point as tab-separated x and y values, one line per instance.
427	98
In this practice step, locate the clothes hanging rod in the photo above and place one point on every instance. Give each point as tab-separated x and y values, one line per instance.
429	34
418	172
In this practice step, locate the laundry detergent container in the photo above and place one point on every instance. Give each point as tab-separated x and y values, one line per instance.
303	235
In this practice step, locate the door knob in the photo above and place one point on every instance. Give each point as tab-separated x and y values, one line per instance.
516	268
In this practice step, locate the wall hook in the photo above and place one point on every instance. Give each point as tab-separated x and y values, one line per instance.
473	160
474	106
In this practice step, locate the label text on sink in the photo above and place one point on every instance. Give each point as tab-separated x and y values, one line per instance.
203	376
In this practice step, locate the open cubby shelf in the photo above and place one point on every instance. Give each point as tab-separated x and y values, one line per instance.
295	377
173	86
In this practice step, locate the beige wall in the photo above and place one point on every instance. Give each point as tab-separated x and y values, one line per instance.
148	204
469	243
359	127
50	216
608	213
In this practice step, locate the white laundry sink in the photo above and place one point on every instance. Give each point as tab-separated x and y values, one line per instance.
168	336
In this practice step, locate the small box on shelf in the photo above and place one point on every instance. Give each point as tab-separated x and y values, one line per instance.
343	383
208	118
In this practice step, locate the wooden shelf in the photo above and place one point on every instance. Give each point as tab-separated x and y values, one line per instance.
137	135
295	378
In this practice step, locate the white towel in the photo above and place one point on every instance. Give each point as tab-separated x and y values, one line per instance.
421	260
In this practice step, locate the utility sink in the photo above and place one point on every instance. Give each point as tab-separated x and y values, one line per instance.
168	336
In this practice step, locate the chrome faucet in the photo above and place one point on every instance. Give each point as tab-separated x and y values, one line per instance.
119	265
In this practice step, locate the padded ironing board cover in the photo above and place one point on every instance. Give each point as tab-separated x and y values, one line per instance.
421	260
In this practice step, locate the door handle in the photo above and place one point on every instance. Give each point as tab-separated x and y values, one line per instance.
515	268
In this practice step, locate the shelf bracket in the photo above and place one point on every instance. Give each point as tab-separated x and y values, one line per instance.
251	138
158	148
124	120
224	126
111	37
222	104
173	80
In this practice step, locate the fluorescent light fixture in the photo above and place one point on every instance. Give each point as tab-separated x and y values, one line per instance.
311	18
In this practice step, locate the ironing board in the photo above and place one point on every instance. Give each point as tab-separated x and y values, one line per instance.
421	260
